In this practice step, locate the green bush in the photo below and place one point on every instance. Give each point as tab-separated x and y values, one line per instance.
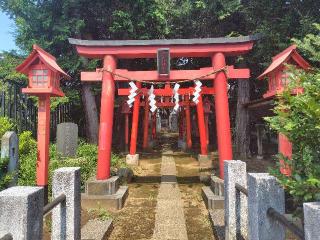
298	118
5	125
86	159
27	143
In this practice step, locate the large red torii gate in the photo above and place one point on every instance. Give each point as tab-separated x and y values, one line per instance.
112	50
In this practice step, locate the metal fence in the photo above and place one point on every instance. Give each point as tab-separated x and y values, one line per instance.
23	110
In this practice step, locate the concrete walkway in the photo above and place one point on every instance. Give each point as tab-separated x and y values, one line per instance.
170	221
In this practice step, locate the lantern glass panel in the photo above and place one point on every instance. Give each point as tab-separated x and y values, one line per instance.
40	78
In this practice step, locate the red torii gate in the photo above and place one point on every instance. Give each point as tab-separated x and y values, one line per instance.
111	50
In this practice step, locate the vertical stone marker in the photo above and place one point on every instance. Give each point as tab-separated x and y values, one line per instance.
67	139
10	149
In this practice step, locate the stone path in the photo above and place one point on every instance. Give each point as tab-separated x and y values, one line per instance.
170	221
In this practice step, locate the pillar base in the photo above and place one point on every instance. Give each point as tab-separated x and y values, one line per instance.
205	166
132	160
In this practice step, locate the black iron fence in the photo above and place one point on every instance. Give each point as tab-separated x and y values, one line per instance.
23	110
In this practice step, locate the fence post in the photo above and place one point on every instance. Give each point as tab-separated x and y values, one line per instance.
264	192
66	217
21	212
236	221
311	220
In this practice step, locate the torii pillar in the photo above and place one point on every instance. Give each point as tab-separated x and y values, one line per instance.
146	125
188	122
222	112
106	119
203	156
133	158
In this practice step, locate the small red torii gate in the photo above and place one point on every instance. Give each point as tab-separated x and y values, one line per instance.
112	50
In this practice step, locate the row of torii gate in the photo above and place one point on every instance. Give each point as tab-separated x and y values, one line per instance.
218	73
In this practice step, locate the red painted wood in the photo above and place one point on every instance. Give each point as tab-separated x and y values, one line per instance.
135	123
154	126
175	75
126	131
175	50
285	148
145	125
202	128
106	120
222	113
188	122
43	140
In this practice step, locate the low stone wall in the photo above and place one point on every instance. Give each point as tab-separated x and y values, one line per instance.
249	196
22	208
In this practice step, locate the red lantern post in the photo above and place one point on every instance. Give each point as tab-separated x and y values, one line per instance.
44	76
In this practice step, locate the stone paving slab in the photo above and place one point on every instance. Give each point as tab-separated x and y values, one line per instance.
170	220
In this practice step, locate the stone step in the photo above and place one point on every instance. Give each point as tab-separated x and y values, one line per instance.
217	221
96	229
115	201
102	187
211	200
217	185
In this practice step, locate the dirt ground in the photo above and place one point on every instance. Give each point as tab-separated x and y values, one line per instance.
136	220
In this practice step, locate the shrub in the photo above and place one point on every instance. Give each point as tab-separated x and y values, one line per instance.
5	125
298	118
27	143
86	159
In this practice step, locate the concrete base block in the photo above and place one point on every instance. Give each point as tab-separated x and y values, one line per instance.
103	187
217	185
212	201
114	201
204	162
132	160
96	230
217	221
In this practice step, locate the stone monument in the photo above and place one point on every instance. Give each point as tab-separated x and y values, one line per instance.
10	149
67	139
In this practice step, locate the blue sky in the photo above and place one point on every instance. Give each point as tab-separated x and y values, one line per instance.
6	37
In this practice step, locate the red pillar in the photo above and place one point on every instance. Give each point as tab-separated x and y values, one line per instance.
106	119
206	122
146	125
135	123
154	125
43	140
222	112
202	128
285	148
126	132
188	122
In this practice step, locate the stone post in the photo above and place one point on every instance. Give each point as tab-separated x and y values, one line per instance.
236	222
66	216
21	212
264	192
10	149
311	220
260	132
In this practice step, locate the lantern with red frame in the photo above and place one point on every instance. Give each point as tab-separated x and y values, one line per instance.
277	73
43	72
278	78
44	76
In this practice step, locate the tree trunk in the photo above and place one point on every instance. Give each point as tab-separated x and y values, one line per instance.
242	134
91	114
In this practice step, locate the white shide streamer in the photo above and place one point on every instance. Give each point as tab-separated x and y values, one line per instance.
152	101
197	91
176	97
133	93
